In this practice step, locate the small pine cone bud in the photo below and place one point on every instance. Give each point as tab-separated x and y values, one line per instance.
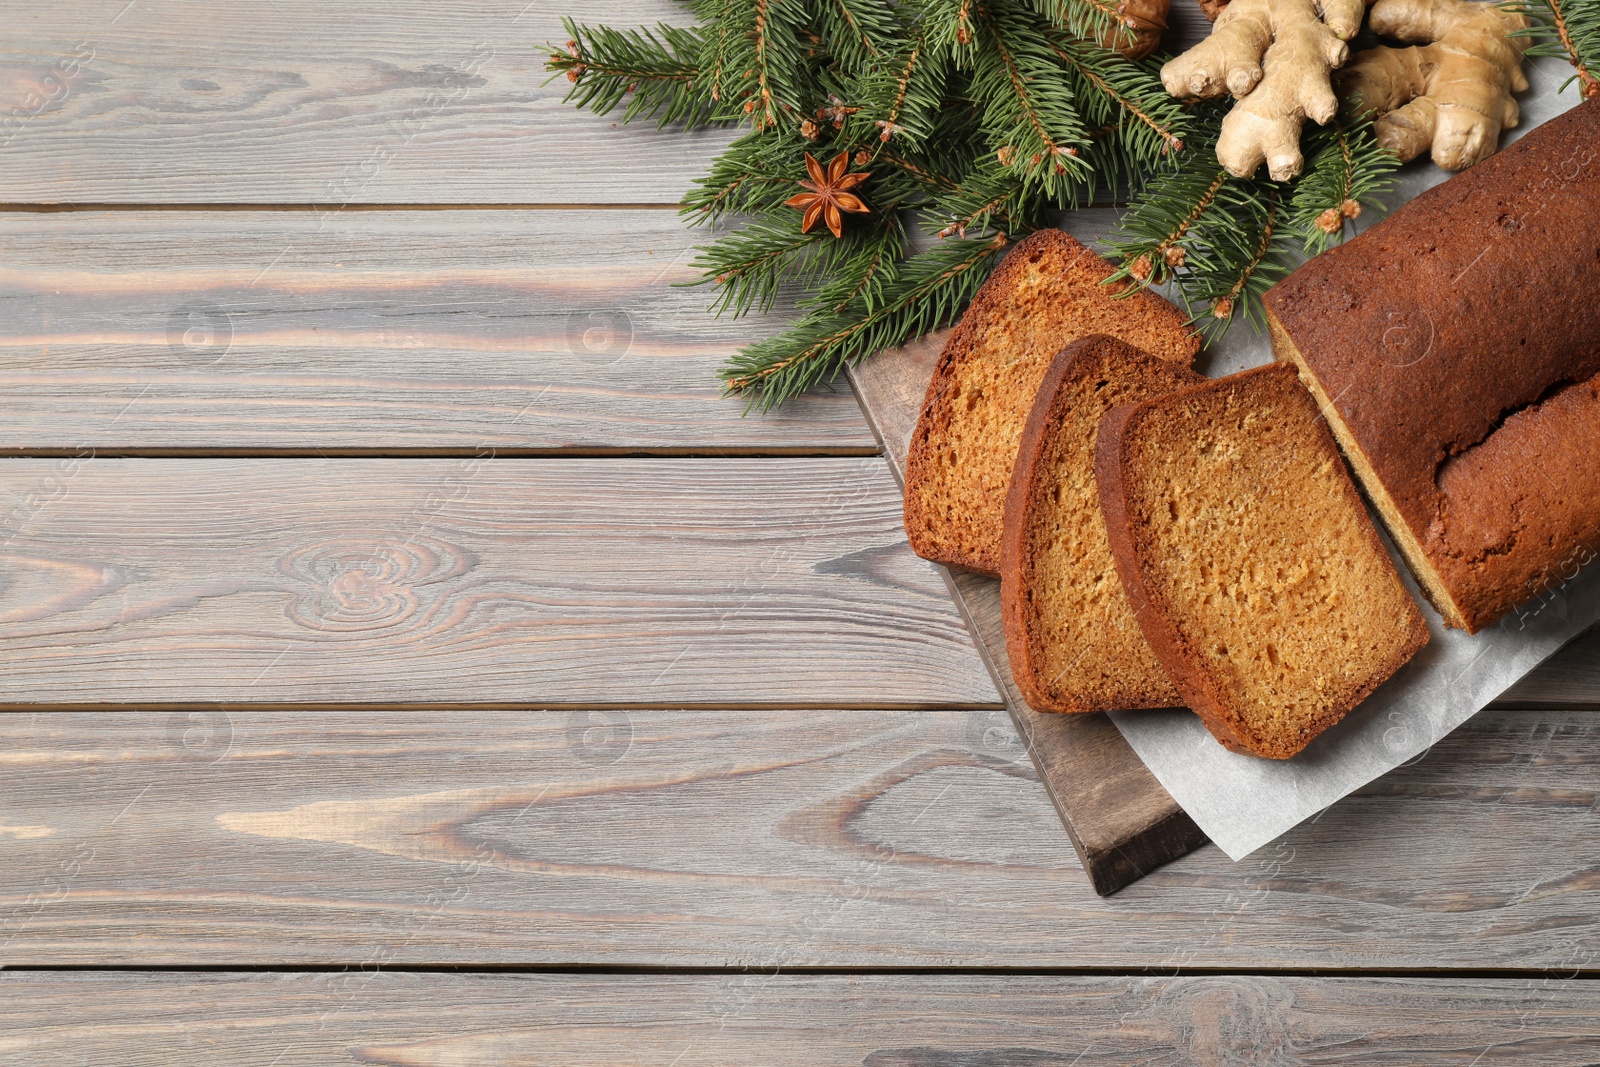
1005	155
1351	209
862	157
1330	221
633	87
1035	160
963	35
948	231
1223	308
572	49
575	73
749	106
1140	268
716	95
722	279
809	130
1173	255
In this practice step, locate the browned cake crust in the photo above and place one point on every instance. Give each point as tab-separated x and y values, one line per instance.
1071	636
1045	295
1454	347
1249	559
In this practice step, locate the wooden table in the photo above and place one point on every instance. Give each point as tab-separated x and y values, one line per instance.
408	658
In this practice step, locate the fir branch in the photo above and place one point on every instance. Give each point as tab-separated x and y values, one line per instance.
1569	29
856	32
1029	114
1222	241
751	265
929	178
761	70
1257	273
764	109
654	72
1346	174
863	275
900	98
1154	238
754	175
1142	99
1088	20
985	193
1139	126
719	53
950	28
930	292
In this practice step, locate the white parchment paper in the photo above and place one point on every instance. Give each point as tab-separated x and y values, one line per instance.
1243	802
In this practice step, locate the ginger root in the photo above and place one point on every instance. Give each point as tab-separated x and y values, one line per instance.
1277	58
1453	90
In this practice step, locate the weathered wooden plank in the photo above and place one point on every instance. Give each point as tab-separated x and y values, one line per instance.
769	840
1570	677
434	1020
475	581
389	331
300	101
296	101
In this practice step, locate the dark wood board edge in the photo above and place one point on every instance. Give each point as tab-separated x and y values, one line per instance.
1120	820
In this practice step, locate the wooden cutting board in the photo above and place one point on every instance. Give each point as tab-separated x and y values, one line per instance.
1120	819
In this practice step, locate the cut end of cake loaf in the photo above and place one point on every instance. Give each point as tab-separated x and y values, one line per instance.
1045	295
1071	637
1432	584
1252	565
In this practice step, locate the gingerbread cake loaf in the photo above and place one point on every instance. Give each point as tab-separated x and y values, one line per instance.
1455	349
1071	636
1249	559
1046	294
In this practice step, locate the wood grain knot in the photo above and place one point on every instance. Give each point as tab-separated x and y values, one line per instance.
1226	1020
362	585
37	587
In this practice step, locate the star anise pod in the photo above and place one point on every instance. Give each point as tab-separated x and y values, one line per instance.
829	194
